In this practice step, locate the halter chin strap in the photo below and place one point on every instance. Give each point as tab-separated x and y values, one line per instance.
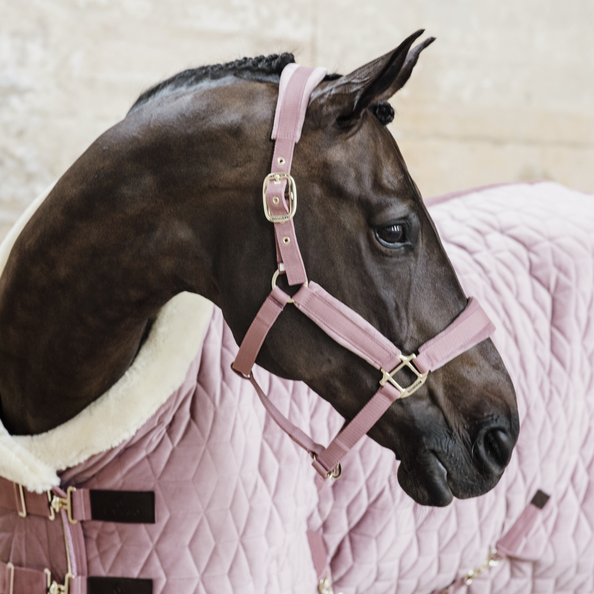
340	322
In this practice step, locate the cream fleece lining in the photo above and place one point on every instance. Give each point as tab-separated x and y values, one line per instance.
158	370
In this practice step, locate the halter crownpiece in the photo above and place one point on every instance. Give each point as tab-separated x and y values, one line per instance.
340	322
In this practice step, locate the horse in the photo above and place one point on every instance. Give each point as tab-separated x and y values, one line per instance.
168	201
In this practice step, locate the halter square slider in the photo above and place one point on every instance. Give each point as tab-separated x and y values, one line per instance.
406	362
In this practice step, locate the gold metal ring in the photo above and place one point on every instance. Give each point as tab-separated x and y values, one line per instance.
275	278
335	473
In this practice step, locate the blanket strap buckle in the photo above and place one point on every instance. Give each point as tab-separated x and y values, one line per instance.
53	587
57	504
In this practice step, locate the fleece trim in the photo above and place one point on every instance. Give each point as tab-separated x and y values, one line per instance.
158	371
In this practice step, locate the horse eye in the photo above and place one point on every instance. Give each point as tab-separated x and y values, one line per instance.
392	235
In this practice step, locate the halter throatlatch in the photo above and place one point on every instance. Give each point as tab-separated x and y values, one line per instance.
340	322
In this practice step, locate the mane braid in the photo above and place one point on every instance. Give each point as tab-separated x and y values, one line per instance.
260	68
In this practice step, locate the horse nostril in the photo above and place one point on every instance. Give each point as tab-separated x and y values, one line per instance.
494	449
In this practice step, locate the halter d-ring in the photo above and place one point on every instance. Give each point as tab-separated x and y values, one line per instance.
275	278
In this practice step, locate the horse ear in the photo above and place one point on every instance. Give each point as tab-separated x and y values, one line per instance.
376	81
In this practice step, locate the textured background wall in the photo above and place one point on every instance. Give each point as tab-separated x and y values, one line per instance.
505	94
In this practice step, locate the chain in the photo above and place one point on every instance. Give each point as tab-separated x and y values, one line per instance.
492	560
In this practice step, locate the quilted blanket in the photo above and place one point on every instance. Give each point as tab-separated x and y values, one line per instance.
235	497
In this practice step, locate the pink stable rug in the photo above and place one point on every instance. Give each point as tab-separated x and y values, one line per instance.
234	495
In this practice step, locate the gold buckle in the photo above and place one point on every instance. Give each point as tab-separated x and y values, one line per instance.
57	504
53	587
406	362
277	178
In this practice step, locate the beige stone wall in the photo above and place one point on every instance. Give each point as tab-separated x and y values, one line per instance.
505	94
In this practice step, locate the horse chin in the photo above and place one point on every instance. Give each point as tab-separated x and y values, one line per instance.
426	481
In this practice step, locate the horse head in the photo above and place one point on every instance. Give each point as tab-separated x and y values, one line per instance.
367	238
170	199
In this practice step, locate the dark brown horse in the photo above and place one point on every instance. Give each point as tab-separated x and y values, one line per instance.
169	200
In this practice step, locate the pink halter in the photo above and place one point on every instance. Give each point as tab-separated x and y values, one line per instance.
341	323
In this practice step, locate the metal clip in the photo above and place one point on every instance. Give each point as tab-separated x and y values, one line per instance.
277	178
325	587
52	513
10	567
406	362
53	587
23	511
335	473
57	504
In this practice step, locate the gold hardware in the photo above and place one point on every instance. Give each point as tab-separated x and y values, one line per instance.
406	362
275	200
281	161
277	178
50	497
59	503
492	560
22	512
335	473
286	240
325	587
53	587
10	566
275	278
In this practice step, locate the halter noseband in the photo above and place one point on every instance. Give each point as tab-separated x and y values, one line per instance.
340	322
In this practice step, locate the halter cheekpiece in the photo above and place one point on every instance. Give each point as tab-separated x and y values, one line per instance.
340	322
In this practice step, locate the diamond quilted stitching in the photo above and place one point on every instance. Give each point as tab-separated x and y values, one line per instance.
211	449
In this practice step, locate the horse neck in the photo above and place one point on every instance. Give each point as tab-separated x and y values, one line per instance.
88	274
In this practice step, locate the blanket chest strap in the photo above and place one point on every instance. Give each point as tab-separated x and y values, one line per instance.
20	580
508	545
131	507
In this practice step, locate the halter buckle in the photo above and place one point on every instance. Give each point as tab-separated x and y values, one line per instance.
277	178
407	361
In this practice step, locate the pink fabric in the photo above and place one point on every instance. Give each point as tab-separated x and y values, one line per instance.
346	327
296	85
291	127
470	327
269	312
511	543
365	419
235	497
295	433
